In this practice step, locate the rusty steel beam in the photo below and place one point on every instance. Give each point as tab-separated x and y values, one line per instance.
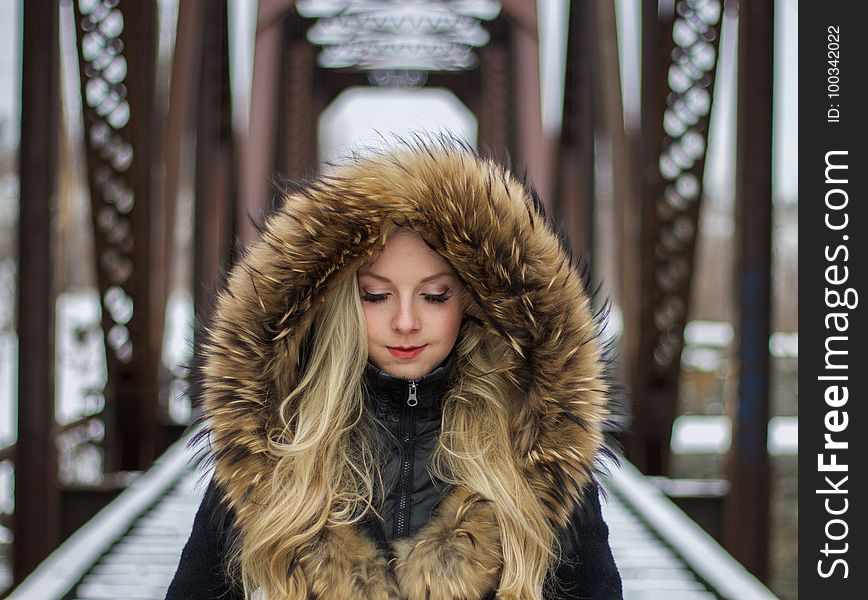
574	198
117	64
298	107
679	61
653	399
215	159
491	101
508	105
37	490
137	389
180	119
259	147
747	507
522	14
532	148
623	180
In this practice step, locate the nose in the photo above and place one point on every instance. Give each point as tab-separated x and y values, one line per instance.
406	320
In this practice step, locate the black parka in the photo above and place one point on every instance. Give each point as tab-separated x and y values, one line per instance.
587	569
526	300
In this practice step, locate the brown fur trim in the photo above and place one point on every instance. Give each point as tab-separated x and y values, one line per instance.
345	565
457	556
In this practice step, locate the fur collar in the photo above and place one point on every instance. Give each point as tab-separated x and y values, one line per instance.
493	230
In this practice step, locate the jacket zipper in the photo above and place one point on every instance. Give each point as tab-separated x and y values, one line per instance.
408	438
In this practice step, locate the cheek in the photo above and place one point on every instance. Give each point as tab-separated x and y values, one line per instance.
452	322
370	321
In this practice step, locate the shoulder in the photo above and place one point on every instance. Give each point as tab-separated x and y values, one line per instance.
587	568
219	517
201	572
587	526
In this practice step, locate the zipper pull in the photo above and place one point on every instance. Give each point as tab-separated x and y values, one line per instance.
411	399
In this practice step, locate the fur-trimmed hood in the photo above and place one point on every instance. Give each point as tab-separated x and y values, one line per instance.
528	294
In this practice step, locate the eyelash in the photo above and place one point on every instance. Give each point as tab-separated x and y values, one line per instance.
377	298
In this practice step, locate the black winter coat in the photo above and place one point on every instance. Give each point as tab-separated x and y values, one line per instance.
586	571
526	306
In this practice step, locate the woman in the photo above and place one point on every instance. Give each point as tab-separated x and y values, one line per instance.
403	393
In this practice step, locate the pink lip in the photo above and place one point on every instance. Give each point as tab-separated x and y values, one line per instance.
406	352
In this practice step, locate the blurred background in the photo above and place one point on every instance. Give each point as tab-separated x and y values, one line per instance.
136	139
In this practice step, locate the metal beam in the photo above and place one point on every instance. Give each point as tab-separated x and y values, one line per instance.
298	108
492	100
259	146
679	62
653	398
215	159
37	492
575	198
522	14
623	180
747	505
138	386
180	119
532	147
117	64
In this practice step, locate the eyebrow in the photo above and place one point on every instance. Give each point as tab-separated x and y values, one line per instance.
386	279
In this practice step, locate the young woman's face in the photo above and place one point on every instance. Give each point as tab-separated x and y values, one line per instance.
412	303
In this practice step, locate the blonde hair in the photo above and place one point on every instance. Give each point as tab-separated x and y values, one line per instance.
328	454
325	457
475	452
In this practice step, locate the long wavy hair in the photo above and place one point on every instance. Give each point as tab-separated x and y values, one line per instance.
328	453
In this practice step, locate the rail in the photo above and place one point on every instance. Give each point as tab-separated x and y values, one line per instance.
699	551
58	575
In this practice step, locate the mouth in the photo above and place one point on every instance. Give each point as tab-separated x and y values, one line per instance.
405	352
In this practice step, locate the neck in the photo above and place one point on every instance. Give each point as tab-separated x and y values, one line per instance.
390	392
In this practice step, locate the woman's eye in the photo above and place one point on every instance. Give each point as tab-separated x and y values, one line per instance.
435	298
368	297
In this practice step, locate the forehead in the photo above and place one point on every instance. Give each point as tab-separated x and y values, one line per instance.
406	255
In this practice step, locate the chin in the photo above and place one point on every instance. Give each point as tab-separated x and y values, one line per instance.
409	371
